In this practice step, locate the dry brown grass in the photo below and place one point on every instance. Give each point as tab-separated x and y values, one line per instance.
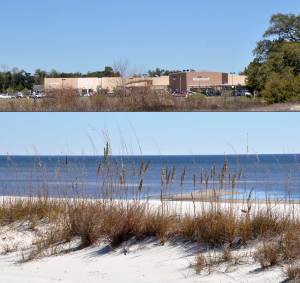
269	254
268	223
293	273
134	100
120	221
117	222
284	248
83	221
200	263
214	226
290	242
29	209
227	255
211	261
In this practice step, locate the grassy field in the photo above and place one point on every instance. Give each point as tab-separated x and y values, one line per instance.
144	101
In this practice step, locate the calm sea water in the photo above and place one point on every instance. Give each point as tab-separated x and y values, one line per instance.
277	175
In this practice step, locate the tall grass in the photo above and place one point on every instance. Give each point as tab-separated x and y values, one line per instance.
133	100
122	212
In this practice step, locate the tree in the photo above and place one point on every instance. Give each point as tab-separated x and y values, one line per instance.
107	72
19	80
284	28
39	76
161	72
257	75
277	58
15	80
156	73
282	87
121	67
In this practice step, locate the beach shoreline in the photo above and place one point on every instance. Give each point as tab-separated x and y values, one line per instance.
218	197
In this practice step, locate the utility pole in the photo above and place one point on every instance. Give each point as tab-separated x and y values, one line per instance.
232	86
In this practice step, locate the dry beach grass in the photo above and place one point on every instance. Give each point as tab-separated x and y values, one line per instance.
120	215
212	227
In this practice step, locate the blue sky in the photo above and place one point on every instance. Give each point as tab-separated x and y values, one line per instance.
86	35
155	133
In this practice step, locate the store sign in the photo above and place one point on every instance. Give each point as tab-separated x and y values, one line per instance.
201	79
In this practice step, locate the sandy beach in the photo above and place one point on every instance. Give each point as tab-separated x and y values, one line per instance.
132	262
146	262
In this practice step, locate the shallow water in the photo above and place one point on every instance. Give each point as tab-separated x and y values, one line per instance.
276	175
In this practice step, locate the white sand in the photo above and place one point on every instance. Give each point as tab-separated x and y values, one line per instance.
188	207
145	262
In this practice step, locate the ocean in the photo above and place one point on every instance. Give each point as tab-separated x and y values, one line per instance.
276	176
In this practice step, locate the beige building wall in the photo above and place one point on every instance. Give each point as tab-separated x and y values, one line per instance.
60	83
138	82
82	83
89	83
110	83
161	81
235	80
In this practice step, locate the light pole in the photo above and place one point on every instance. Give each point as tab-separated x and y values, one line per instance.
232	85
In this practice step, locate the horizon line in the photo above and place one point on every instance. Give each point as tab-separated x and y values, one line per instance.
141	155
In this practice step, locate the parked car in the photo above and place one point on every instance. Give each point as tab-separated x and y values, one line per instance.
20	95
191	92
5	96
212	92
37	95
241	92
87	92
178	93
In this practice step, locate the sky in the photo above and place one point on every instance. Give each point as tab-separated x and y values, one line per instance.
84	35
149	133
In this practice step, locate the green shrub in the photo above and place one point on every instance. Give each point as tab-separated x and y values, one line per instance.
282	87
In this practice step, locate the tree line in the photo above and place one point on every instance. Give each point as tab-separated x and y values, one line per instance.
20	80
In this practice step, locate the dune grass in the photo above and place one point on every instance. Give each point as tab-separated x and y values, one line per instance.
293	273
121	215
